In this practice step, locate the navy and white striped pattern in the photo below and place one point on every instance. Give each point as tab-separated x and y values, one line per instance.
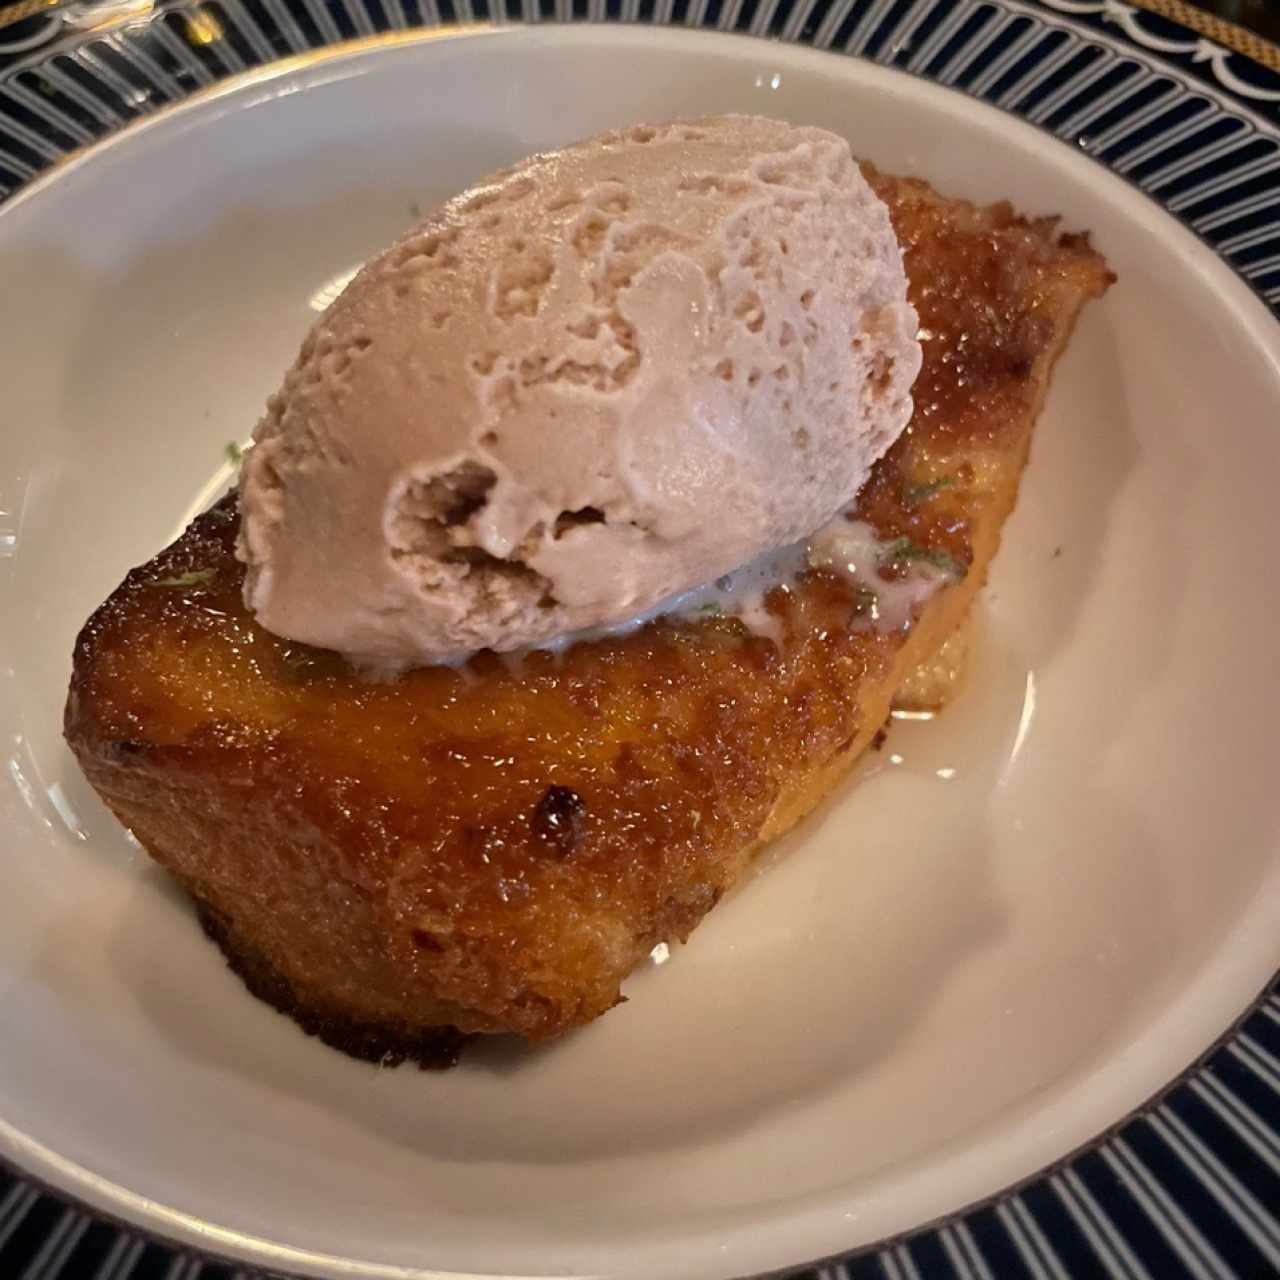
1191	1185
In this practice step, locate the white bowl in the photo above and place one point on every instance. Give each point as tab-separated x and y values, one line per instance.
970	964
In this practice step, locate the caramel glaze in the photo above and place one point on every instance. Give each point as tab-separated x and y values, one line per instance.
492	849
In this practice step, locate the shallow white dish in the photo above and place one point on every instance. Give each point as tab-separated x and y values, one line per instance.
975	961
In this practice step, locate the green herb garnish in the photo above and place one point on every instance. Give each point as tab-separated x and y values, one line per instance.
196	578
904	551
918	494
235	454
710	607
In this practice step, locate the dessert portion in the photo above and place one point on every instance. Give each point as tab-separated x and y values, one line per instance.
597	380
492	847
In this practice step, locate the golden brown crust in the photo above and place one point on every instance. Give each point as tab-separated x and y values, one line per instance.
495	850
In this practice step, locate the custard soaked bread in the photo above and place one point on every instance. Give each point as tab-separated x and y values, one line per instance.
495	848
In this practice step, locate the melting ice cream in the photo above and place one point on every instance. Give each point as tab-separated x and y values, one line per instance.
594	381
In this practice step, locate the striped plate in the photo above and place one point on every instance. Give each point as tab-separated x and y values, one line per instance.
1190	1184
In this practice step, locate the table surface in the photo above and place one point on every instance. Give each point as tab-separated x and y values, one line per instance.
1262	16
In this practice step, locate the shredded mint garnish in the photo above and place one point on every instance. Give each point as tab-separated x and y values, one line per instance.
903	550
196	578
918	494
710	607
235	454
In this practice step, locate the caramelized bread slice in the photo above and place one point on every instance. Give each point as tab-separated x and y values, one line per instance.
494	849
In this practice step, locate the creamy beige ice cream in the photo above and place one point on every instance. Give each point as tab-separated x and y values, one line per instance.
596	380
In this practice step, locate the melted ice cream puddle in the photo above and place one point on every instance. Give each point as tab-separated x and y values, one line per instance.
854	549
850	548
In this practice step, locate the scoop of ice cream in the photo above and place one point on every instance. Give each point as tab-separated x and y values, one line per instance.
597	379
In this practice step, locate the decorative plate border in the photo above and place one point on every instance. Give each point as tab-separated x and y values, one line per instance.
1187	1185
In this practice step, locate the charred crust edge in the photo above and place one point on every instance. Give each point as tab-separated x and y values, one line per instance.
431	1048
